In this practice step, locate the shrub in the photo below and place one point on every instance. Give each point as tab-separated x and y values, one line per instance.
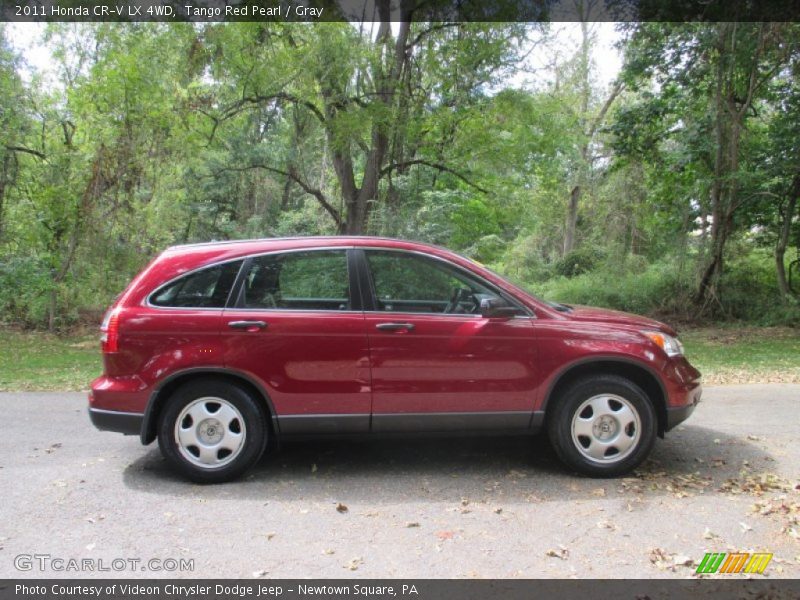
579	261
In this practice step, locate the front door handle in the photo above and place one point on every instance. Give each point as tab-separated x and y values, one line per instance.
395	326
248	325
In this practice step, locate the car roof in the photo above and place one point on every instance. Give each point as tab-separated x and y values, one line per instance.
357	240
243	247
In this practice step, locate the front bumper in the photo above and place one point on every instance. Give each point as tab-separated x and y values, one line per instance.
121	422
678	414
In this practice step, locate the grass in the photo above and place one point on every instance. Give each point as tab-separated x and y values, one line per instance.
41	361
744	354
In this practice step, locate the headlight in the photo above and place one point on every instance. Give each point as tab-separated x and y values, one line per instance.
667	343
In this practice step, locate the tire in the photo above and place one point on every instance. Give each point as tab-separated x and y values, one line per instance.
212	431
602	426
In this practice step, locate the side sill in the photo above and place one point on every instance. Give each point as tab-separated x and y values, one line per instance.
120	422
445	422
323	424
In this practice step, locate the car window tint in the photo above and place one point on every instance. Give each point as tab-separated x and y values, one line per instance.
206	288
313	280
406	282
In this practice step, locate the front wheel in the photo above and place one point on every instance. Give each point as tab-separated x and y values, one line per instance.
212	431
603	426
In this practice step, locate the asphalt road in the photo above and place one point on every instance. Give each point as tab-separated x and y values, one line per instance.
727	480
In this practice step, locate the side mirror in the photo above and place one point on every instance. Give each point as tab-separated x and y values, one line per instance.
497	308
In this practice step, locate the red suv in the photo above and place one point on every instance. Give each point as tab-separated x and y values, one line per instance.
216	349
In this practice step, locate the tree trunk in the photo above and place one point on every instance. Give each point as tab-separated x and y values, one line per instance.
721	200
787	214
387	74
572	219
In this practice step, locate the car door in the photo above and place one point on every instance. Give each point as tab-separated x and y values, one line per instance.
437	364
297	327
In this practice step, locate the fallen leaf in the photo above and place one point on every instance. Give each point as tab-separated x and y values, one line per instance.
680	560
562	553
412	524
355	563
270	535
341	508
658	557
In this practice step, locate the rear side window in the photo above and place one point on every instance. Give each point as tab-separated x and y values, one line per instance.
206	288
312	280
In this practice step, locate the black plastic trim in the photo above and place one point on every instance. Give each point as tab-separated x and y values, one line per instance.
323	424
451	421
354	277
120	422
677	415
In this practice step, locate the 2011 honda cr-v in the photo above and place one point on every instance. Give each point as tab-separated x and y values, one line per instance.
216	348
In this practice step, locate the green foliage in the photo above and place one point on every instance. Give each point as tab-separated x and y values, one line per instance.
663	288
578	261
24	285
158	134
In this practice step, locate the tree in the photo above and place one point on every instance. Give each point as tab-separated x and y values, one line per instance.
385	101
724	69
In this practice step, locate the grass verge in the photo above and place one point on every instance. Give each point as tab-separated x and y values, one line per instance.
729	355
725	355
45	362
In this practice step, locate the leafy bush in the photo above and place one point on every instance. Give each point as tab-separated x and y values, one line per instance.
25	285
665	289
578	261
661	289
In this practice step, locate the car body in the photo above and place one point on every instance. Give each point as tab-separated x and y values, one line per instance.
217	348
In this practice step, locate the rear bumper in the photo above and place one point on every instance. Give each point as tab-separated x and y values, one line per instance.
121	422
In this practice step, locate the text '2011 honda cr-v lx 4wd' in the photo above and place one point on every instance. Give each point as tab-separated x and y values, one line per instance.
216	348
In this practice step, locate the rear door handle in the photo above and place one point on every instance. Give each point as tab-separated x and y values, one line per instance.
395	326
248	325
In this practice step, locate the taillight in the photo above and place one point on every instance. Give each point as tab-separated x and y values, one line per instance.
109	331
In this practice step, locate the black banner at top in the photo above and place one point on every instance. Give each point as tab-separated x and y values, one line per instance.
203	11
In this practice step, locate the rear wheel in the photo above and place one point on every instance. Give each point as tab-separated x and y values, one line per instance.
603	426
212	431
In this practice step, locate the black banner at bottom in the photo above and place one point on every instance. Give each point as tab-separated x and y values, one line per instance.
389	589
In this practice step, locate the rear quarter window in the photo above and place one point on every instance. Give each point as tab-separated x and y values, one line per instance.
206	288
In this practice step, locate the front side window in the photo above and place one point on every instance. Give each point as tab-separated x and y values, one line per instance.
405	282
313	280
206	288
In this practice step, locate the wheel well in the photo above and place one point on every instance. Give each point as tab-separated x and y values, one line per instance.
159	400
638	375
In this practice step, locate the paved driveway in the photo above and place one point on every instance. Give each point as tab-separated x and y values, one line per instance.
727	480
